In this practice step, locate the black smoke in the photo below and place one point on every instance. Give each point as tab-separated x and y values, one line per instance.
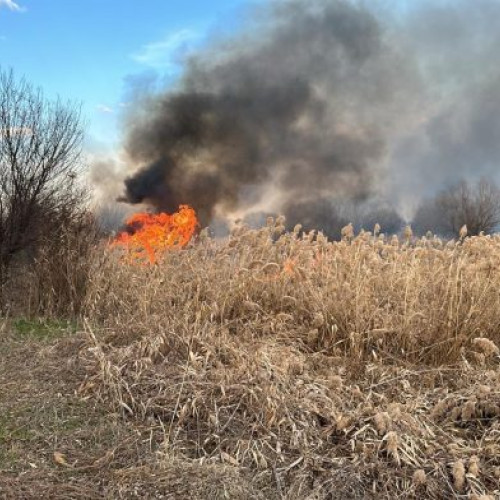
316	101
295	111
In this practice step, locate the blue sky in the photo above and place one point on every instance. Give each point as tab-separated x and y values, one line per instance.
86	50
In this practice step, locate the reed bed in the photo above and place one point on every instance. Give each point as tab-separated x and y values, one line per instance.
361	368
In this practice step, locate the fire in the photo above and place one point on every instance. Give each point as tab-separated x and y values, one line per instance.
289	266
150	235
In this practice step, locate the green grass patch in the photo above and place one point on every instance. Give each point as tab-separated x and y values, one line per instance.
11	432
44	329
10	437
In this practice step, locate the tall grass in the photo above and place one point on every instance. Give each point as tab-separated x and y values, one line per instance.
51	279
421	301
329	369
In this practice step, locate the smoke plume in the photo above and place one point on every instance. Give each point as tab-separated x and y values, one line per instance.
317	101
303	105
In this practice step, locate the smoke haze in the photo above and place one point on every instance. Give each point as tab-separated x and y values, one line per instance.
315	102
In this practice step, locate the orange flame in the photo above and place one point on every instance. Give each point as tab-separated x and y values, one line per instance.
150	235
289	266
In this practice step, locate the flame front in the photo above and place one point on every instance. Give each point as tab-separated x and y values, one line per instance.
150	235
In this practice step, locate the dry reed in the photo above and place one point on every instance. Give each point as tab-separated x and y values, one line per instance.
328	369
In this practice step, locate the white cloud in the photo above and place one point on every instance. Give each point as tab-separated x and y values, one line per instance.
11	5
165	54
104	109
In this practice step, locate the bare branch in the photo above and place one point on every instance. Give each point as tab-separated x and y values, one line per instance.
40	159
475	206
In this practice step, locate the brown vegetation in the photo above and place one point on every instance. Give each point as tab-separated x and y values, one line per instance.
42	199
313	369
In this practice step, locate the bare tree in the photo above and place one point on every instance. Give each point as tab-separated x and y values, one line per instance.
40	153
476	206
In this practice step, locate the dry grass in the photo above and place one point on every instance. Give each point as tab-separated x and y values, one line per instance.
56	444
367	367
50	280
